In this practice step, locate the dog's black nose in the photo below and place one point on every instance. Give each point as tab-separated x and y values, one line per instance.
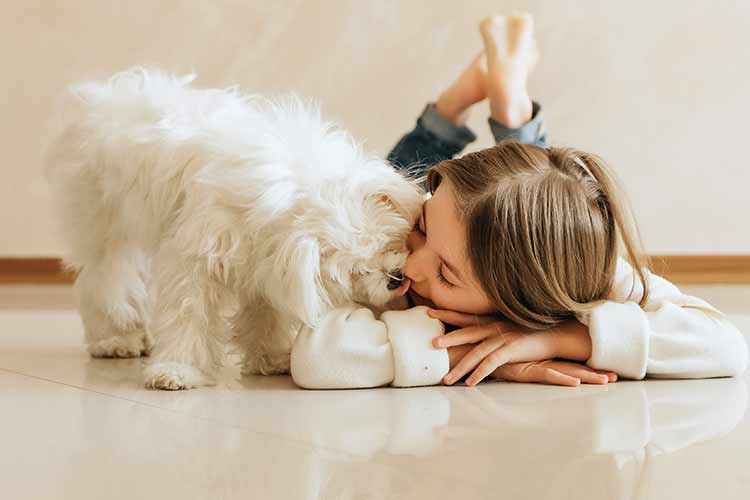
396	279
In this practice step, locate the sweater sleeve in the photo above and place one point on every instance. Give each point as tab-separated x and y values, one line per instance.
672	336
350	349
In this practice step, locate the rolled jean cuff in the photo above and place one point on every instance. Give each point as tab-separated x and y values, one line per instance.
444	129
531	132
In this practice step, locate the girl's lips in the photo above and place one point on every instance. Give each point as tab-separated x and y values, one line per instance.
400	291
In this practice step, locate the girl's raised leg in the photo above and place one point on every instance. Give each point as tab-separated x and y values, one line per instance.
511	54
466	90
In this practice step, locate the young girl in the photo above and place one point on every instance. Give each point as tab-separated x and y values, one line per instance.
540	237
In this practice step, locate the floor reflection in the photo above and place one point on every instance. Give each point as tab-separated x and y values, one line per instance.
89	428
528	442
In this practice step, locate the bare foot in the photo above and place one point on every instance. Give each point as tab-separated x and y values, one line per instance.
511	55
466	90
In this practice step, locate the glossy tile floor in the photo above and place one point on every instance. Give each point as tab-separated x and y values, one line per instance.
77	428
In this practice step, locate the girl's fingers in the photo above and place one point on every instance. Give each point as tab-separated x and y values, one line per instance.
536	373
472	359
468	335
555	377
584	373
459	318
611	376
489	365
588	376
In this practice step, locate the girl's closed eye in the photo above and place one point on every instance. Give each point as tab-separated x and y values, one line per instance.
440	276
442	279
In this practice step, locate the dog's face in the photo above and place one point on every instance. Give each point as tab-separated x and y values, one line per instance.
365	249
347	243
374	261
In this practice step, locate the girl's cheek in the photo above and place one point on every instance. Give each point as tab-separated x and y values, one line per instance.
452	303
437	301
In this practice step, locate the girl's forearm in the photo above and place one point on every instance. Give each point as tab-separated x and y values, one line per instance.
571	340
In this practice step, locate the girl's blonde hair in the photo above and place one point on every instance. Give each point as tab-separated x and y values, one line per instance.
544	229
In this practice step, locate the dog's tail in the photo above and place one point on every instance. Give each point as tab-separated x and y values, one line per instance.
101	136
122	110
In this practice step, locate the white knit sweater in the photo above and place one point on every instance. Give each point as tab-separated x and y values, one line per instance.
672	336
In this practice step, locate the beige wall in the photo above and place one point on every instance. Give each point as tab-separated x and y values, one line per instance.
658	88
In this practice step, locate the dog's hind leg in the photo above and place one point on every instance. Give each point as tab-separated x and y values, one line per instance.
264	338
112	296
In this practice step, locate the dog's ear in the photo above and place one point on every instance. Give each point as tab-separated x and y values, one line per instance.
403	196
298	288
390	200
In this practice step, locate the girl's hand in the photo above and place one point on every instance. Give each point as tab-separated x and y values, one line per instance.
553	372
500	342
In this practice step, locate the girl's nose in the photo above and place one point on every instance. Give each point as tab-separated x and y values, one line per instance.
410	268
412	241
409	246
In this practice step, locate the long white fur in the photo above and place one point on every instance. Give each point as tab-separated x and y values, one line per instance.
181	205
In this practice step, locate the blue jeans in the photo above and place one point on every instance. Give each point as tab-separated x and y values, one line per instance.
435	139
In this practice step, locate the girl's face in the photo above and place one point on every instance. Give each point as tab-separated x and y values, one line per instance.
437	265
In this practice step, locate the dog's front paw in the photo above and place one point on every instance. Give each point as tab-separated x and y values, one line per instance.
266	364
171	376
131	345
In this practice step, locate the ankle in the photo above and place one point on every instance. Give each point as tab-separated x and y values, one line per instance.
453	107
512	114
512	110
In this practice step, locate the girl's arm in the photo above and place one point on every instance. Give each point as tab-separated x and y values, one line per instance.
673	336
351	349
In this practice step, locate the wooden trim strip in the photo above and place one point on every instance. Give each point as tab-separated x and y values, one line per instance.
683	269
703	269
34	271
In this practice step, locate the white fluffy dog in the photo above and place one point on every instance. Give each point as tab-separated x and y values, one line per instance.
194	214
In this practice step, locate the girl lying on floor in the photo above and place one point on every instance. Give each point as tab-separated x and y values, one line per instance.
531	252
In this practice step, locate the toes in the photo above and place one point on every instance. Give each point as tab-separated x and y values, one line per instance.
116	347
507	33
128	345
170	376
125	352
168	382
490	23
522	22
489	28
521	32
